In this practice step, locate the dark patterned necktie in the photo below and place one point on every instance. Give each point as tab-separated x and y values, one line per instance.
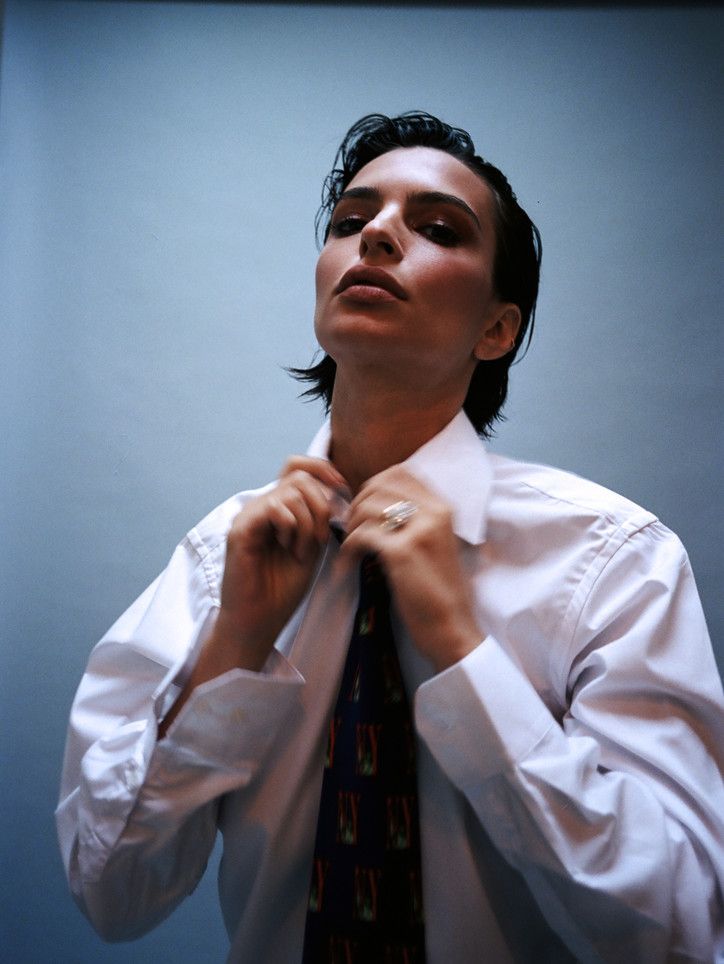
365	900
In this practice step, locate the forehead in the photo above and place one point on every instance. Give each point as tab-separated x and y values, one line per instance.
407	170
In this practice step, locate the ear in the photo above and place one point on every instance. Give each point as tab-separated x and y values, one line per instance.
499	332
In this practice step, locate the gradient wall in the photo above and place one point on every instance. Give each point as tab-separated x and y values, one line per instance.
160	169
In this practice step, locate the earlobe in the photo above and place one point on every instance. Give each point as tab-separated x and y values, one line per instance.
501	330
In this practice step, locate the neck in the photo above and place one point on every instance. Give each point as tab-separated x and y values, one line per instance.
372	430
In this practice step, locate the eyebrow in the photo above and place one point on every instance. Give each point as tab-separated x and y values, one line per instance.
415	197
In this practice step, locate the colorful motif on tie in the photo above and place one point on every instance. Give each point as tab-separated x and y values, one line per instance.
367	740
365	898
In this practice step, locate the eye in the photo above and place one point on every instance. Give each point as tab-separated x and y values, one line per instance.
344	227
440	233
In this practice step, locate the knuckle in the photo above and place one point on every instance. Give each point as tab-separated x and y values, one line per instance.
288	489
292	463
235	535
289	493
238	518
278	509
300	477
289	479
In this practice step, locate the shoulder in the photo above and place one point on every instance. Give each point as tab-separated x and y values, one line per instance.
569	528
172	610
208	536
196	566
554	495
570	558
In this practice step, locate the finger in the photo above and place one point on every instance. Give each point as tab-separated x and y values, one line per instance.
395	547
293	526
324	501
396	477
310	503
395	484
365	539
317	497
281	522
376	506
320	469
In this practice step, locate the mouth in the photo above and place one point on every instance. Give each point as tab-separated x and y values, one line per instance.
369	283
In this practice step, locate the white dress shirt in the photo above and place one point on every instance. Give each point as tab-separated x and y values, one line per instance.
571	805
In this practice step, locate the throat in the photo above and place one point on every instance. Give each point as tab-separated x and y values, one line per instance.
363	445
378	420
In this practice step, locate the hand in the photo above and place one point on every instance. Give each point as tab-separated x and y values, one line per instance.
271	552
421	560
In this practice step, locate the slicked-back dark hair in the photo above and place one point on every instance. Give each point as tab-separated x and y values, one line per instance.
516	266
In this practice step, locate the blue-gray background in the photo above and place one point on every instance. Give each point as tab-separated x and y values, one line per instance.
160	169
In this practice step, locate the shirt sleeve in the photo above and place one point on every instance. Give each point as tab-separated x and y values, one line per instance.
614	812
137	816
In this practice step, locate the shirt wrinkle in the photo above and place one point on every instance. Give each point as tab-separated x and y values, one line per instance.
563	559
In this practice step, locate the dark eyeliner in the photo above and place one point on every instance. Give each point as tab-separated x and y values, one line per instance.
441	234
345	226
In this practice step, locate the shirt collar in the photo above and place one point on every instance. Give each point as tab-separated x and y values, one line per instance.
454	464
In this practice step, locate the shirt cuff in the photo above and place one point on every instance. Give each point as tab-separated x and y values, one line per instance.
231	721
481	716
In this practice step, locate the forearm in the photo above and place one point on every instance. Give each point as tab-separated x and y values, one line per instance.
272	551
609	853
129	870
222	652
138	820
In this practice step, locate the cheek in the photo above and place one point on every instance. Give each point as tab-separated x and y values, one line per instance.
459	290
474	285
321	283
319	273
327	273
324	282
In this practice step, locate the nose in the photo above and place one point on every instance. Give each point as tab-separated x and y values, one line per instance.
379	238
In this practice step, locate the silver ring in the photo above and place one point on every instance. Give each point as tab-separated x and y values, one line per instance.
396	515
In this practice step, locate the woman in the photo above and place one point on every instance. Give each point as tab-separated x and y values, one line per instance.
565	702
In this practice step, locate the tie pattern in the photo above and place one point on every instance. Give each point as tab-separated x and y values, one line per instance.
365	898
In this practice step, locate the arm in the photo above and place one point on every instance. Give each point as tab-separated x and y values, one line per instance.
612	814
137	815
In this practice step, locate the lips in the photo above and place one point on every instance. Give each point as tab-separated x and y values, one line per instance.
362	276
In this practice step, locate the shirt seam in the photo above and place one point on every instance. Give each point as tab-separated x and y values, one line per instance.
622	537
203	551
636	520
600	511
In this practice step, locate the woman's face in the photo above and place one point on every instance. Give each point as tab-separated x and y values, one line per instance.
404	280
